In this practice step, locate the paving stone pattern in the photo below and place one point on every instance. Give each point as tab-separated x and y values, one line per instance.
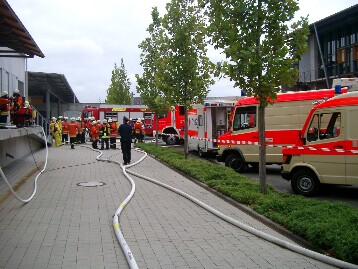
70	226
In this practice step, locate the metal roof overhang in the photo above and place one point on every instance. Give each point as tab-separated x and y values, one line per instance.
15	40
56	84
335	21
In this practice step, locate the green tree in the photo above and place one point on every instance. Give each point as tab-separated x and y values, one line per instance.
149	85
262	50
187	74
119	90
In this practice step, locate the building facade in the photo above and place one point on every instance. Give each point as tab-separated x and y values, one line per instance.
332	50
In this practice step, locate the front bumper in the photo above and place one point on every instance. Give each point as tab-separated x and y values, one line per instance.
285	175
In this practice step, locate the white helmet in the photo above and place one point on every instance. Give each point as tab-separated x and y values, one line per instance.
54	118
60	117
93	122
110	120
16	91
139	120
105	121
98	121
4	93
26	103
65	118
73	119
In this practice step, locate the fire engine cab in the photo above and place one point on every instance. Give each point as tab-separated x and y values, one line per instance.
206	123
327	149
171	125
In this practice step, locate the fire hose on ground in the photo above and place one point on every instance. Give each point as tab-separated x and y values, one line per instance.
295	248
36	178
126	250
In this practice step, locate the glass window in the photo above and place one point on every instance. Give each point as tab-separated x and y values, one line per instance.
245	118
324	126
200	119
161	116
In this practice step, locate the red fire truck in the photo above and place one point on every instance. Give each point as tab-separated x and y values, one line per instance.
239	146
170	124
118	111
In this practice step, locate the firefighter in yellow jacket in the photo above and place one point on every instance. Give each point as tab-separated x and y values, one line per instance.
105	133
55	132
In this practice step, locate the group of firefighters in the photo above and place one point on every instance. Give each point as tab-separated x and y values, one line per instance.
75	130
13	107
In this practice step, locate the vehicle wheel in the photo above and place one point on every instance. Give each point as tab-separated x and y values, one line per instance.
235	162
201	153
305	182
171	140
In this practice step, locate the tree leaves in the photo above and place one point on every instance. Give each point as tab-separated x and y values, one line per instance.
119	90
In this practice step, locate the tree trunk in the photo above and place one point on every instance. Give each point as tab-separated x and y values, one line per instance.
186	150
156	129
262	149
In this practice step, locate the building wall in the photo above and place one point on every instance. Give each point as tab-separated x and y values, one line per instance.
338	39
12	75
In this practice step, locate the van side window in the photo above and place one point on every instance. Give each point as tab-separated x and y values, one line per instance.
245	118
324	126
330	125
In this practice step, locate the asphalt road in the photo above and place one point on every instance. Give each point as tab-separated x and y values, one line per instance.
348	194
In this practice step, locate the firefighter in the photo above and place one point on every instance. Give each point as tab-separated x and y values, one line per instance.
80	131
84	129
65	131
94	135
88	129
105	133
17	101
131	123
4	108
55	132
73	131
59	123
138	131
125	132
52	127
114	133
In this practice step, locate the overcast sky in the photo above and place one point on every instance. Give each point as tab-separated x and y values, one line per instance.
83	39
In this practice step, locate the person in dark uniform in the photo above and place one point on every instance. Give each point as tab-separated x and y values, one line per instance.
125	132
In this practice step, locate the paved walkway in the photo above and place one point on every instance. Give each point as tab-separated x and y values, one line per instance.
70	226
